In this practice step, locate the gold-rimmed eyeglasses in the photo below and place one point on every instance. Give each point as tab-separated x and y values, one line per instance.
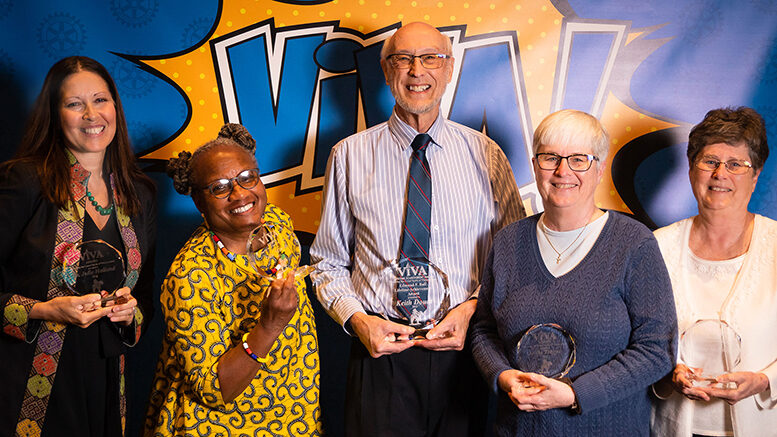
733	166
429	60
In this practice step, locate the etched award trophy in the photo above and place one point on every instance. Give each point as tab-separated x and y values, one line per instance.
408	280
261	245
93	266
710	348
546	349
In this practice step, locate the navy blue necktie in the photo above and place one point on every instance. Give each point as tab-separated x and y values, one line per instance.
412	294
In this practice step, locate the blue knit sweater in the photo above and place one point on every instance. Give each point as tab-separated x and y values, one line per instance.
617	304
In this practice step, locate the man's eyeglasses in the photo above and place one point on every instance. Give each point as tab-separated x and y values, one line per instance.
223	187
734	166
430	60
576	161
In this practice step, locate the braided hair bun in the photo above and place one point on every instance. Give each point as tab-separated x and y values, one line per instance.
239	134
179	169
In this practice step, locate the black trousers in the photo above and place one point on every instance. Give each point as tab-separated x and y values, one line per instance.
414	393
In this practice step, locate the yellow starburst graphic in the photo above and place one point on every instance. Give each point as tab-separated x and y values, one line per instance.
538	26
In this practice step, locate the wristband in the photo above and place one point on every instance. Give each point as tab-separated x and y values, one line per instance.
251	354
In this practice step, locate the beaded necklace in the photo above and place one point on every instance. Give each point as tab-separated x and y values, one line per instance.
232	257
103	211
223	248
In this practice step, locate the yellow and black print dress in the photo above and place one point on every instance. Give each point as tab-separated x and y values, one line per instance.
208	303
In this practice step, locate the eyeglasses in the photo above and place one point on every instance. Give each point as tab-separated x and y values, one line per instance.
429	60
576	161
223	187
734	166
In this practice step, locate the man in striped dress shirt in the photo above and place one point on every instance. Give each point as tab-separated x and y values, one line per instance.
398	384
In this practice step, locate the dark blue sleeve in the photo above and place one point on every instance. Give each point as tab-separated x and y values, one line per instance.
650	353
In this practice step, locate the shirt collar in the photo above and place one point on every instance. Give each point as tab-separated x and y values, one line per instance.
79	177
404	134
78	174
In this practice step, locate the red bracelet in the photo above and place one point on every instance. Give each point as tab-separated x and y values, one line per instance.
251	354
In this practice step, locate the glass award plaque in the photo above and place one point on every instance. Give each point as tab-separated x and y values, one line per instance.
710	348
262	245
546	349
93	266
408	280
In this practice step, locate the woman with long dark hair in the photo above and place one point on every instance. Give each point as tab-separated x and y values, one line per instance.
74	179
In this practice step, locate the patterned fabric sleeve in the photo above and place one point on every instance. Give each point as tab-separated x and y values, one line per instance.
144	287
131	334
16	318
197	333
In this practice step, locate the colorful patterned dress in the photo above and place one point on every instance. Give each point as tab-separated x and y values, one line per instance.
209	302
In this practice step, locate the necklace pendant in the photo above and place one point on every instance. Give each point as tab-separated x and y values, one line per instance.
558	259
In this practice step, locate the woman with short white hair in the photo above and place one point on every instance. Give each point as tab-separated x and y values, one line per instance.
596	276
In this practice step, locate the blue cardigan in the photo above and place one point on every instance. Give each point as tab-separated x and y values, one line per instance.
617	304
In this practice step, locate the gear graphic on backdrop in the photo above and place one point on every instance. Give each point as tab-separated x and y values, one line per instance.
131	80
5	8
61	34
196	31
134	13
141	135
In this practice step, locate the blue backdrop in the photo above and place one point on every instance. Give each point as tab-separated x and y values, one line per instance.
303	74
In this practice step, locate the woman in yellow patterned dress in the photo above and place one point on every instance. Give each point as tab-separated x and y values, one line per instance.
240	353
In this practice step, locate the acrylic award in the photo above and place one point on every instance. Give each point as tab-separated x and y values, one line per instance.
265	256
408	280
93	266
546	349
710	348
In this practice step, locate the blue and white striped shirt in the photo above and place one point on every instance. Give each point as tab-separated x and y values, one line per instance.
474	194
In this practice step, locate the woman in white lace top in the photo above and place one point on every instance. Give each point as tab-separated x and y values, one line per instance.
723	267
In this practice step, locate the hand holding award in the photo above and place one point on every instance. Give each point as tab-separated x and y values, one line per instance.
710	348
267	260
94	266
408	281
545	349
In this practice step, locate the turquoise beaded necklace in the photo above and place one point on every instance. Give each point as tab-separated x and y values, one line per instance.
103	211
